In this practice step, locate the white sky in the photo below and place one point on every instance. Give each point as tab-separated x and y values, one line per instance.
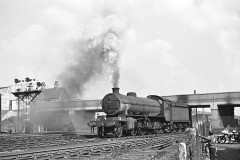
169	46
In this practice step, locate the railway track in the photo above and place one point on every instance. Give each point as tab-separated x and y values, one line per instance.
14	143
23	143
96	148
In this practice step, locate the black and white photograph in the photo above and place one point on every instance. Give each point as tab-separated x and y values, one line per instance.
120	79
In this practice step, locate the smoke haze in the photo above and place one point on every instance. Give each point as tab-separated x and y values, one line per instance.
112	44
158	47
97	52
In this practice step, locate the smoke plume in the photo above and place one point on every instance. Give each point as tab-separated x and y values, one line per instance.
112	50
97	52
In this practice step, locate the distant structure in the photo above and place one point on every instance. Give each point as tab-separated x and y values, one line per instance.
26	90
7	98
222	106
52	95
53	110
56	84
15	104
57	113
8	108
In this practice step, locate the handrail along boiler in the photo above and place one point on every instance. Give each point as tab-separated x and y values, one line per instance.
132	115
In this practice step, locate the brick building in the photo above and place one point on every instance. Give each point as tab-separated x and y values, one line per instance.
53	110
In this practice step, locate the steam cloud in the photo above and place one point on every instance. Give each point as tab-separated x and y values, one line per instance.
111	55
96	53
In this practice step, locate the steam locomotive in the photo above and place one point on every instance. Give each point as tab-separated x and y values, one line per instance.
132	115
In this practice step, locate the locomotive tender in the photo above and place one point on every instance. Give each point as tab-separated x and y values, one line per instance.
132	115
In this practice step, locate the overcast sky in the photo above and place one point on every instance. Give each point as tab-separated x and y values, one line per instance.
166	47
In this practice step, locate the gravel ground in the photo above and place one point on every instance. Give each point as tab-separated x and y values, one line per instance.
169	153
144	153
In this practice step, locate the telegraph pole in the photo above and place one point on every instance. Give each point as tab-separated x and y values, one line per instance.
196	110
0	113
197	134
18	118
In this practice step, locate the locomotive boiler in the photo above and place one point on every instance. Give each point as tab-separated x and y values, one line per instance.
132	115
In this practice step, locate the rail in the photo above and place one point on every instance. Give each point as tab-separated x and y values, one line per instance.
93	148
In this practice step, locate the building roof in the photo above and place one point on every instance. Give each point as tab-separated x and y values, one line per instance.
52	94
3	113
9	115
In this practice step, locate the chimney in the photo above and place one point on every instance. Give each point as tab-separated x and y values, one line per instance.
115	90
56	84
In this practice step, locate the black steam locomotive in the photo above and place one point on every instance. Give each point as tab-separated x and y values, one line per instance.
132	115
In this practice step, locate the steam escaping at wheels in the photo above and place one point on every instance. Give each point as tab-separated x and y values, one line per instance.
129	115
